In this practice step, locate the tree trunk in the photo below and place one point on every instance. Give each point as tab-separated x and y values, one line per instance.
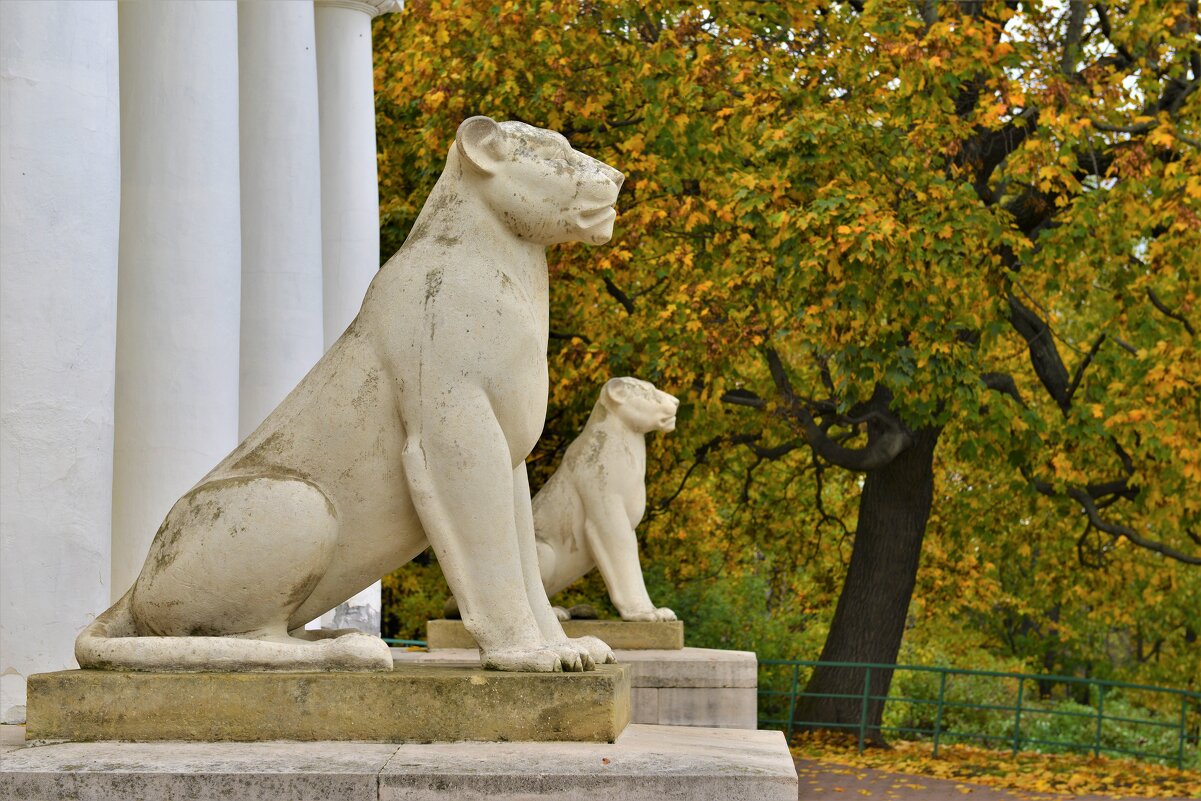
870	618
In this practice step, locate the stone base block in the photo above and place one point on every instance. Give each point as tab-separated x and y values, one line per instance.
414	703
618	634
726	707
688	687
647	763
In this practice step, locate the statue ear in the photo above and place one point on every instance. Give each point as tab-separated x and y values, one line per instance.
477	140
617	390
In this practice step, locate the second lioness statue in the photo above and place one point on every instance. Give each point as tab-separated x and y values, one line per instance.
411	431
585	515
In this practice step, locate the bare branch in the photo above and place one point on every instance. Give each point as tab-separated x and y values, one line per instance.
1159	304
743	397
1103	18
618	295
929	12
1133	130
1003	383
568	335
779	376
886	439
1044	356
699	458
1117	530
1092	352
886	436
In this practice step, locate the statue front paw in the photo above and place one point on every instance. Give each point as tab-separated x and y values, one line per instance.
649	615
599	653
538	659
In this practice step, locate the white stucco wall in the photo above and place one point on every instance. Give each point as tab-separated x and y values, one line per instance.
180	254
281	204
59	202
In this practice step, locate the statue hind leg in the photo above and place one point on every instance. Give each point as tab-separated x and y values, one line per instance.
230	564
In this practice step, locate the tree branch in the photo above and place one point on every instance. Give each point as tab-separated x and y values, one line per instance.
1114	529
743	397
568	335
1003	383
1092	352
1071	46
886	439
1159	304
886	436
618	295
1044	356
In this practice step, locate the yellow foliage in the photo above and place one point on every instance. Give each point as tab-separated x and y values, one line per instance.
1023	773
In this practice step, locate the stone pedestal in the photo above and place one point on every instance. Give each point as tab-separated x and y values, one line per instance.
647	763
617	634
688	687
414	703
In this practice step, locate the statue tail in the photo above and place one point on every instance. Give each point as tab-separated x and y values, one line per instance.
99	644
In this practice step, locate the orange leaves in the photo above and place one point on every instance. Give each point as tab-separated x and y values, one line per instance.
1025	773
804	175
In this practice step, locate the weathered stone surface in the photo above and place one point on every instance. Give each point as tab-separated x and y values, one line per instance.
687	667
644	705
656	763
689	687
194	771
691	667
618	634
414	703
11	736
727	707
647	763
586	513
360	467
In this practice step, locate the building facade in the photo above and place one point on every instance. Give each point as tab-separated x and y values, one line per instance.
188	218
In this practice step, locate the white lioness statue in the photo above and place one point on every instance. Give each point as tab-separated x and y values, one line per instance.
412	430
586	514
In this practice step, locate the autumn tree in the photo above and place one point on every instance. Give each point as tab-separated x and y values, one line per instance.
854	235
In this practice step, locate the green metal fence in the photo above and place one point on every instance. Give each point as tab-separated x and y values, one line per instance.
1016	711
405	643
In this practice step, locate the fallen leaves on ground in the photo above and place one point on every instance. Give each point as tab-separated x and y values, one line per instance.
1024	772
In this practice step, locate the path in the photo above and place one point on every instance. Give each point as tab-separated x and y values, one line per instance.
825	781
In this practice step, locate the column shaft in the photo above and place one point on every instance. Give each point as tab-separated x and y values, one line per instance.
60	194
281	335
180	254
349	197
349	185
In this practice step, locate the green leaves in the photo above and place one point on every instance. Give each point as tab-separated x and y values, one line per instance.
862	192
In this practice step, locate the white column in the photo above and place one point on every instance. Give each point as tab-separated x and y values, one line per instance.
349	184
349	196
59	196
180	278
281	204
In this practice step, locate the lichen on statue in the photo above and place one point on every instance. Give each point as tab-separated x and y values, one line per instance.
411	431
